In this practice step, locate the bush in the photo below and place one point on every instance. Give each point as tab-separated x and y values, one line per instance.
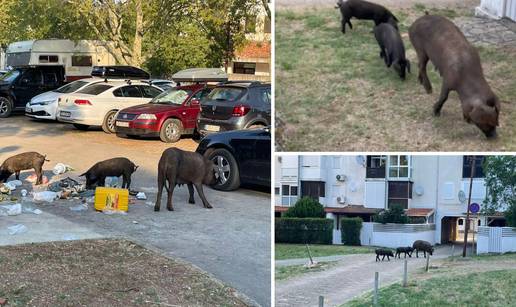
304	230
395	214
306	207
350	230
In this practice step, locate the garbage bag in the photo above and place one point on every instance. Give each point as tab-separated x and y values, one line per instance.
11	210
61	168
47	196
17	229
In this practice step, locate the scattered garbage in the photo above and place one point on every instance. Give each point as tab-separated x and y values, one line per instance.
10	210
47	196
4	189
135	222
149	203
31	210
61	168
24	193
17	229
33	178
111	182
13	184
113	211
141	196
79	208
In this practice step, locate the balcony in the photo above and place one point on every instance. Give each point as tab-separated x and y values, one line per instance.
375	172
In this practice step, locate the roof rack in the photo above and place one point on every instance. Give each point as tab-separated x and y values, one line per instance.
251	82
119	72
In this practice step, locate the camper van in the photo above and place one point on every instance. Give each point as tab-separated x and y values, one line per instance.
39	66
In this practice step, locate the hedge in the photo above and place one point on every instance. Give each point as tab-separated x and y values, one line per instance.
350	230
291	230
306	207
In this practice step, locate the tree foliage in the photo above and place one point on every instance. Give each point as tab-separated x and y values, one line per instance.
306	207
500	180
395	214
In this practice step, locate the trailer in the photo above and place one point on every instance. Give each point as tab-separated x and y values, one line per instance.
75	58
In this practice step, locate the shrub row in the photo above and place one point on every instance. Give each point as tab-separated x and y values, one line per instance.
350	230
301	230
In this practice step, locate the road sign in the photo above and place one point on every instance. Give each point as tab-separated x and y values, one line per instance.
474	208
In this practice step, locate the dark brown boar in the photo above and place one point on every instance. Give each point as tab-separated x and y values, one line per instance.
364	10
21	162
424	246
115	167
183	167
437	39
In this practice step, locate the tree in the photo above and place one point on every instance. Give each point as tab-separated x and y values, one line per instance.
395	214
306	207
500	180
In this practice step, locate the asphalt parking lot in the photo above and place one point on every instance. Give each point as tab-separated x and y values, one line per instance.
231	241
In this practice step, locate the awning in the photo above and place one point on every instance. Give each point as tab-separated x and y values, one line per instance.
419	212
352	209
280	209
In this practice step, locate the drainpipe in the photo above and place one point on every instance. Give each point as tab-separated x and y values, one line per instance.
437	199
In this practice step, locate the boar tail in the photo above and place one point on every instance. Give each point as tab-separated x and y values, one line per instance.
136	167
426	13
45	158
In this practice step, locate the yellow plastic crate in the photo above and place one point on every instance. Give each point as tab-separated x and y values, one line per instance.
111	199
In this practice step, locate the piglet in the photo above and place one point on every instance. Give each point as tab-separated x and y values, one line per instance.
21	162
183	167
392	49
364	10
115	167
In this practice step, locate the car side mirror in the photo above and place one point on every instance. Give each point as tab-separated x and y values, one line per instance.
195	102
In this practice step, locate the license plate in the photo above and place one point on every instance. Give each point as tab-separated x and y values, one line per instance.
28	110
212	128
122	124
65	114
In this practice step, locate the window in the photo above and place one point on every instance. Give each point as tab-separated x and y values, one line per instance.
149	91
82	60
200	95
277	191
399	166
95	89
71	87
399	192
226	93
244	68
313	189
32	76
49	78
48	59
375	166
267	25
174	96
130	91
265	95
466	167
288	195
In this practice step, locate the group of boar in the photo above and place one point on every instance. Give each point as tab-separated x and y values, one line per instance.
437	39
176	167
418	246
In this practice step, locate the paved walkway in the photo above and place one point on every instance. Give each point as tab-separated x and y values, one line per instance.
488	32
353	276
299	261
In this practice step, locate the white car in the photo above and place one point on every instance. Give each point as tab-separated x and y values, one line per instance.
44	106
97	104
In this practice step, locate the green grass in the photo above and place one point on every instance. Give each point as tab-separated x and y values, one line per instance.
488	257
286	272
293	251
493	288
335	94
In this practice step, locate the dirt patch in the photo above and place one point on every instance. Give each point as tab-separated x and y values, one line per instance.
104	273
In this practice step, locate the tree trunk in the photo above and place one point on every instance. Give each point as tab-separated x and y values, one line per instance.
138	35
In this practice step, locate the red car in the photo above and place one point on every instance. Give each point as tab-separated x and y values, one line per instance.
169	115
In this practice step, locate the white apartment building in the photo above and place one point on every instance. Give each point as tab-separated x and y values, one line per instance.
430	188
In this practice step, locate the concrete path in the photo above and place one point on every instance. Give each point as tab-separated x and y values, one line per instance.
351	277
488	32
299	261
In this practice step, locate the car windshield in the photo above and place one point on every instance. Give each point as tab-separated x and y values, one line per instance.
95	89
172	96
225	93
71	87
10	76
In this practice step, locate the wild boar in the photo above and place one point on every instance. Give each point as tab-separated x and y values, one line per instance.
423	246
383	252
437	39
406	250
115	167
21	162
182	167
392	49
364	10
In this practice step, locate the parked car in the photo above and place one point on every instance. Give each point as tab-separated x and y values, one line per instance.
97	104
235	105
3	72
169	115
19	85
163	84
241	156
44	106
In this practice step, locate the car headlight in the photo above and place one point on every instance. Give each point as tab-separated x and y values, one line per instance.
147	116
43	103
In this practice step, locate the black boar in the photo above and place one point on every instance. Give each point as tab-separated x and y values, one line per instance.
406	250
437	39
21	162
182	167
423	246
392	49
383	252
364	10
115	167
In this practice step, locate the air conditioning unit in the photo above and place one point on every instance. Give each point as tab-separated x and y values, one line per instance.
341	200
341	177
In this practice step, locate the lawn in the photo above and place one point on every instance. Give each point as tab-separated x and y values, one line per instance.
334	93
293	251
286	272
104	273
494	288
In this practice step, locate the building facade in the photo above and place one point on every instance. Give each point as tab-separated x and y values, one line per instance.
431	189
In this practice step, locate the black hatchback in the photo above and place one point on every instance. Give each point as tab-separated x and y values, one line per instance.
235	105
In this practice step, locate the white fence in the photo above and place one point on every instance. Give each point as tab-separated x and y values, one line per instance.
392	235
496	240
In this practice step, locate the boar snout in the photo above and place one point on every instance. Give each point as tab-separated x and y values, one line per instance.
491	133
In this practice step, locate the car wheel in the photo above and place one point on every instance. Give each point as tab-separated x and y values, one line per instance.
229	174
171	130
81	127
6	107
108	125
256	126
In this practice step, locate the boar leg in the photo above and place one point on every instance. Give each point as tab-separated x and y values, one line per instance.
126	183
102	181
191	192
18	175
39	174
442	99
171	186
161	183
423	78
205	202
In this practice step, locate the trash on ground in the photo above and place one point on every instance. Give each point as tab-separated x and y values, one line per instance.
79	208
12	185
68	186
33	178
112	211
17	229
135	222
141	196
47	196
10	210
111	199
4	189
26	209
149	203
111	182
61	168
24	193
133	192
